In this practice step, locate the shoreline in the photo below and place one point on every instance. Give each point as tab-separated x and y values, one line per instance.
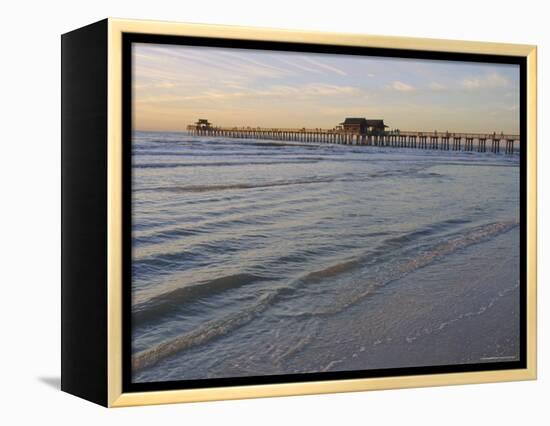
429	262
420	321
416	321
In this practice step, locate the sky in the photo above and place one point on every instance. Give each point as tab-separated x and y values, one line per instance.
173	86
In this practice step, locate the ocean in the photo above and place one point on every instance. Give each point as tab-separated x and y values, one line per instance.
253	257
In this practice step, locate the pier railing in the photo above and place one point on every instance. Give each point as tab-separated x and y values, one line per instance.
453	141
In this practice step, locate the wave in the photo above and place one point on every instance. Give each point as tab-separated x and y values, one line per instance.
220	164
275	143
331	271
423	232
303	181
170	301
156	232
138	152
208	188
413	259
389	271
203	334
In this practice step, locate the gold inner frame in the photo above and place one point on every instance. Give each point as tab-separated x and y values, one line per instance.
116	398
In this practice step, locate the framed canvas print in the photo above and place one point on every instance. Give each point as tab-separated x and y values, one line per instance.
251	212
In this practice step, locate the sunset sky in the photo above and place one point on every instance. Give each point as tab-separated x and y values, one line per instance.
173	86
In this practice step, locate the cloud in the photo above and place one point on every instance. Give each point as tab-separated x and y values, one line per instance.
437	86
322	89
402	87
304	91
490	81
210	60
293	63
243	58
324	66
295	92
155	85
471	83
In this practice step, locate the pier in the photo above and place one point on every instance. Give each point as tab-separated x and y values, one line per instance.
369	136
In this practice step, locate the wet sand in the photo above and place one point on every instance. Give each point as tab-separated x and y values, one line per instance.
426	319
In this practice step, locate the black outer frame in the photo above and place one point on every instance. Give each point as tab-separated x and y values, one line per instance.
129	38
84	212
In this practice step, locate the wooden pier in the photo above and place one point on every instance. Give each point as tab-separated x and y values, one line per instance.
446	141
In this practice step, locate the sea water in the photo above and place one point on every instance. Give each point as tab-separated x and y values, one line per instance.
254	257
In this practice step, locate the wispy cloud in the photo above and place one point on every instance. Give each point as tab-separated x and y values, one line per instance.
234	63
240	58
325	66
306	91
320	89
492	80
437	86
158	84
399	86
298	65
